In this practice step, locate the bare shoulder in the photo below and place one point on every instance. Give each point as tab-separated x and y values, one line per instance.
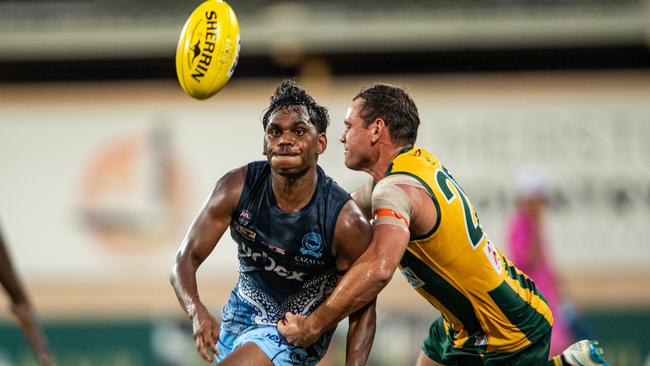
362	196
235	177
352	220
352	234
228	188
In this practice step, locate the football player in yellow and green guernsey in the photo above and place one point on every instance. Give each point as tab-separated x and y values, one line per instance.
425	225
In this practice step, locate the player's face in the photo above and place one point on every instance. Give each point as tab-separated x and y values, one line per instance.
292	144
356	139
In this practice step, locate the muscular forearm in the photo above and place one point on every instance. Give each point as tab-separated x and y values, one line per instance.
205	327
367	276
361	335
360	285
202	236
183	280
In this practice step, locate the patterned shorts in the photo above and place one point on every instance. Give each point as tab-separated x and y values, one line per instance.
272	343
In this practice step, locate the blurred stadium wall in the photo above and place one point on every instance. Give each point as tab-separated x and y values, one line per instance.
105	161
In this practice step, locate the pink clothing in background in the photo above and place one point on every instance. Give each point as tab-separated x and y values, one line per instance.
525	240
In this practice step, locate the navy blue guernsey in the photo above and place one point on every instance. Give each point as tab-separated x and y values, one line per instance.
285	259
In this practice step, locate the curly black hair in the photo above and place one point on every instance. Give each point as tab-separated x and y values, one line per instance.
289	94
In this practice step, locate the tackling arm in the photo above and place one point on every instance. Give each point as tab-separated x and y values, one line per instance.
358	287
352	235
364	280
202	237
373	270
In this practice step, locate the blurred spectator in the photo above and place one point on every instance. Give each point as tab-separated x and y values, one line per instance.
528	250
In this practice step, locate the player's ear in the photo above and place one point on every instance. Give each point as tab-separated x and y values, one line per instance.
321	143
264	144
376	129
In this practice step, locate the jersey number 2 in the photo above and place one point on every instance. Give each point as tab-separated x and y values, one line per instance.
474	231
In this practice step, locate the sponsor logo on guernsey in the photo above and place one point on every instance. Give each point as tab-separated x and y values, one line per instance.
280	341
481	340
245	217
271	265
311	249
412	278
273	247
493	256
249	234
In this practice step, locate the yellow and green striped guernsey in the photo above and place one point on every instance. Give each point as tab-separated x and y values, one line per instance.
488	305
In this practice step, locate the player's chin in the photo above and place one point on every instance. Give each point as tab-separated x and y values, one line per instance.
351	163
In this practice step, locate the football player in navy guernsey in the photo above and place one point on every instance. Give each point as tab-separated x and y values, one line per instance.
297	232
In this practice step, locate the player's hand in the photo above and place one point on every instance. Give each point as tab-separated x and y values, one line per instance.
297	330
206	332
25	315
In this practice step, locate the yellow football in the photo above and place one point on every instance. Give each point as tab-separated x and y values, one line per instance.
208	49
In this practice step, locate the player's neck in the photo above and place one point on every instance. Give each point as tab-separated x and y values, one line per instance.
294	193
387	153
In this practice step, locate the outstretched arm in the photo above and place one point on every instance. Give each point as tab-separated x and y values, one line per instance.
202	237
22	308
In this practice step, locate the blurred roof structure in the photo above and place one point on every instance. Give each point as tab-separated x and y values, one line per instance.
78	30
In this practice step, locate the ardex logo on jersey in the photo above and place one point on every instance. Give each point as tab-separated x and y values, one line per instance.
311	249
412	278
270	264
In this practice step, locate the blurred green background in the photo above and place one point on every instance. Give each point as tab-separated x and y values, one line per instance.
131	342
